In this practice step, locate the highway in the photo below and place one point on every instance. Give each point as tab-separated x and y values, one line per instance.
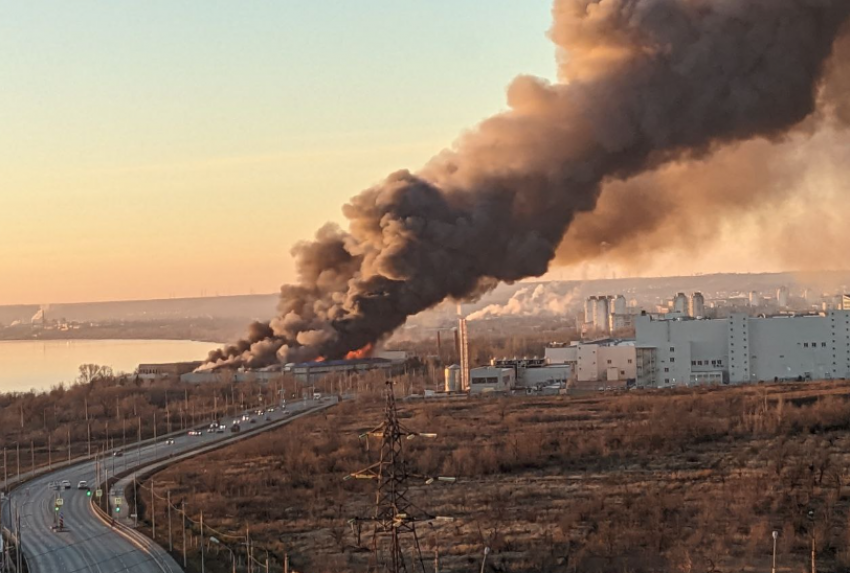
88	544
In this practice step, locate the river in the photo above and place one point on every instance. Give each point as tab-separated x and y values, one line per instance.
37	364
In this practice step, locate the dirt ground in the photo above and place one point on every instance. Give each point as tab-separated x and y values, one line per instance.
641	481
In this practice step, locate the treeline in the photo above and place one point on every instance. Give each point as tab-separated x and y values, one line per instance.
102	410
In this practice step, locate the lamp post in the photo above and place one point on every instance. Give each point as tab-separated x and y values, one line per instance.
484	561
775	537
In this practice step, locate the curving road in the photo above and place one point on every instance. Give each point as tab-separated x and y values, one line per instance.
88	544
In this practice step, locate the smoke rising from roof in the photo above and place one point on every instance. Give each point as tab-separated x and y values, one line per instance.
642	84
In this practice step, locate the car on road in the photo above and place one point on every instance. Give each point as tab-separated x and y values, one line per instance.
252	421
83	484
169	441
235	428
270	410
117	454
66	484
219	430
195	432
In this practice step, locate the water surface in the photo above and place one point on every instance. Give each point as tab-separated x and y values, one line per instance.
40	364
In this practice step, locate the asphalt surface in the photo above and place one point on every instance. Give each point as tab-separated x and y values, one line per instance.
87	544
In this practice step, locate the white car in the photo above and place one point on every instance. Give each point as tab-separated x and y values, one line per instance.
83	484
66	484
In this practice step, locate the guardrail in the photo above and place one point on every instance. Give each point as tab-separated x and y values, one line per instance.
141	541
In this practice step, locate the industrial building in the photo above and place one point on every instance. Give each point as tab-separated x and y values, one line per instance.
171	370
491	379
742	349
608	361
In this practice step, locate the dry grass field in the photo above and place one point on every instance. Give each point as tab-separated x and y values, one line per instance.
644	481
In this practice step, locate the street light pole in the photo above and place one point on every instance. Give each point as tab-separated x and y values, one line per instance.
168	508
775	536
202	541
183	511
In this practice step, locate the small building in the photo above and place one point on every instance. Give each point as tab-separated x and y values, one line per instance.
491	379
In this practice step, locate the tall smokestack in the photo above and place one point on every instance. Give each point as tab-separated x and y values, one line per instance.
642	83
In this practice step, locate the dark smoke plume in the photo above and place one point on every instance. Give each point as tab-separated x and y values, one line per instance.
642	83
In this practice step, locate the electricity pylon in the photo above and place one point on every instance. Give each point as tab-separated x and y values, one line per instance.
395	516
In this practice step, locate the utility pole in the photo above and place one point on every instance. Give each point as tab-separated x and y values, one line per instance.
49	453
32	458
69	445
154	434
153	513
139	444
183	511
135	500
202	541
168	509
248	548
18	456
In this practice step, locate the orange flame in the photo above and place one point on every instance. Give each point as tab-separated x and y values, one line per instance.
364	352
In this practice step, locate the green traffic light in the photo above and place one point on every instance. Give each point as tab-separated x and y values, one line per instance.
118	509
88	493
56	508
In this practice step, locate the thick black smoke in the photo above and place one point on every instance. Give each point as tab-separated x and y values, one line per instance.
642	83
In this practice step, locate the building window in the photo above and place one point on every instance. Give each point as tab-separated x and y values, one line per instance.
609	362
666	370
805	345
630	360
672	349
666	380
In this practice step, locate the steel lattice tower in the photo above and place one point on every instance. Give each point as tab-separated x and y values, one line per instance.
395	515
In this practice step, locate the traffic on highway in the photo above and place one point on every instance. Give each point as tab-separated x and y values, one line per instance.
61	533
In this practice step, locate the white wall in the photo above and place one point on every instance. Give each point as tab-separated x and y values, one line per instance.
561	355
744	349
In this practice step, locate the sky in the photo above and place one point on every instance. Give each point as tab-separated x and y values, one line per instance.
159	148
164	149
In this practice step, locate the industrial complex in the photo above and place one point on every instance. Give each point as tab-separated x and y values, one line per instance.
687	342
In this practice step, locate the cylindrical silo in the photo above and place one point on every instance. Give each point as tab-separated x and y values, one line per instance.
453	378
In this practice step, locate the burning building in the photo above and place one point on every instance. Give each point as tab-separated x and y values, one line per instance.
642	84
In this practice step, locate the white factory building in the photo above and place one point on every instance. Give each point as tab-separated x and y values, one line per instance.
742	349
533	374
606	361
